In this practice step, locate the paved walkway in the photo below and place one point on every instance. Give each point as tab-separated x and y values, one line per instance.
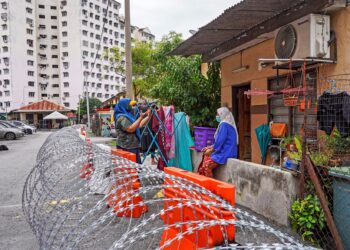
15	165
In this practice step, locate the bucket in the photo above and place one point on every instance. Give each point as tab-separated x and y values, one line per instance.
203	137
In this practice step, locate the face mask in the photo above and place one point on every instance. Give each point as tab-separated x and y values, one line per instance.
218	119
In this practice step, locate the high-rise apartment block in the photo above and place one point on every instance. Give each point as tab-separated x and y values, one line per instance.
54	50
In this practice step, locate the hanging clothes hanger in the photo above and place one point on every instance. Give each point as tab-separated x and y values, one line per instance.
333	88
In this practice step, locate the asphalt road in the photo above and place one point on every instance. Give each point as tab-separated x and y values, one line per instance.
15	165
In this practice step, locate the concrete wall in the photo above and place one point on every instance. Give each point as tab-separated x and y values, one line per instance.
258	78
265	190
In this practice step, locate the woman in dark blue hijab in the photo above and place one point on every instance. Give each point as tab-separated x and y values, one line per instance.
127	127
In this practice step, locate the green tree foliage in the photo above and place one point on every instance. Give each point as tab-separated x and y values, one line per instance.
93	103
181	83
143	68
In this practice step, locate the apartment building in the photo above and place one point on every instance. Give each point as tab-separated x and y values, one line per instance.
54	50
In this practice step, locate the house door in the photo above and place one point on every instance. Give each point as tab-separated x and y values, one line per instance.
241	104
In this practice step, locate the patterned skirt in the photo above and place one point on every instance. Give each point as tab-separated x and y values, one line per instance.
207	166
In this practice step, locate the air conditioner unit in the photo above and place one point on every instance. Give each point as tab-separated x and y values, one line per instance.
307	37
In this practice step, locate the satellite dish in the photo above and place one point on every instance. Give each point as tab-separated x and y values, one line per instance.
286	42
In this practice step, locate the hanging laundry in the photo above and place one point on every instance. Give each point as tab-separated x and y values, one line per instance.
183	142
158	129
333	111
169	131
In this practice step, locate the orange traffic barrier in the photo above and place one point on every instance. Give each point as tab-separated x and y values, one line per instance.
115	196
207	236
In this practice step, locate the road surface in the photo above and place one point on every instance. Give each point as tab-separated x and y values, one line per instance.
15	165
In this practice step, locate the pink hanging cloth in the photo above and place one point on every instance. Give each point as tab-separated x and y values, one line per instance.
169	132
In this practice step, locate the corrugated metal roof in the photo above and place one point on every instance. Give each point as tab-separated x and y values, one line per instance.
234	23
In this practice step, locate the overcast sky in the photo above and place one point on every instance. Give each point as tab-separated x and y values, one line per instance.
162	16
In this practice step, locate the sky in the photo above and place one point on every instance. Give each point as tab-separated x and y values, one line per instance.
162	16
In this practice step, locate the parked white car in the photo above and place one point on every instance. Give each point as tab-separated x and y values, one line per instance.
29	129
10	133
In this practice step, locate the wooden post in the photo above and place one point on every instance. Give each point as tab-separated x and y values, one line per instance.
324	203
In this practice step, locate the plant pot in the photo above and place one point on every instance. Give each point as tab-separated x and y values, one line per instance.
203	137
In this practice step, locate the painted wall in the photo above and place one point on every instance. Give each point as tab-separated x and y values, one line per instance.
258	77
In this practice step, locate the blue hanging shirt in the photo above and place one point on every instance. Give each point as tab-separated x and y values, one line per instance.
225	144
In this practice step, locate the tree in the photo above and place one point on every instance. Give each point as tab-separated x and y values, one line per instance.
93	103
143	65
181	83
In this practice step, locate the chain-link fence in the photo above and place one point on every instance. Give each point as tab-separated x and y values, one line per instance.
326	159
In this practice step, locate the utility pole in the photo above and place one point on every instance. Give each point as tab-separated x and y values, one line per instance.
87	107
128	59
78	121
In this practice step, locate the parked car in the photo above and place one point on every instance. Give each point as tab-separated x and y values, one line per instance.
8	124
9	133
29	129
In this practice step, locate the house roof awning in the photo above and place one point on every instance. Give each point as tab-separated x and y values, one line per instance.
244	22
42	106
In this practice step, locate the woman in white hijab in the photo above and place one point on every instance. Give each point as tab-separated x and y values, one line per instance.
225	145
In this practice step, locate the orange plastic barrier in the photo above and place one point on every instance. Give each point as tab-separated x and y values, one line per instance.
88	168
115	194
207	236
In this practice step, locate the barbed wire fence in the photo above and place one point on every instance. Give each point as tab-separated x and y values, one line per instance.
95	209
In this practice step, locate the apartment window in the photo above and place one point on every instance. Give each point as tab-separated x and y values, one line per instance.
29	10
91	15
54	56
29	21
55	95
85	33
106	96
53	37
85	22
65	54
6	71
93	95
97	27
31	94
91	25
66	84
31	84
7	93
5	39
54	47
7	82
92	45
55	66
55	76
4	27
64	23
122	36
66	94
65	74
43	95
86	43
30	52
53	17
97	17
30	42
30	73
99	95
42	26
54	27
53	7
64	13
91	35
55	86
66	104
64	33
85	53
42	16
29	31
122	45
64	44
63	3
41	6
30	63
